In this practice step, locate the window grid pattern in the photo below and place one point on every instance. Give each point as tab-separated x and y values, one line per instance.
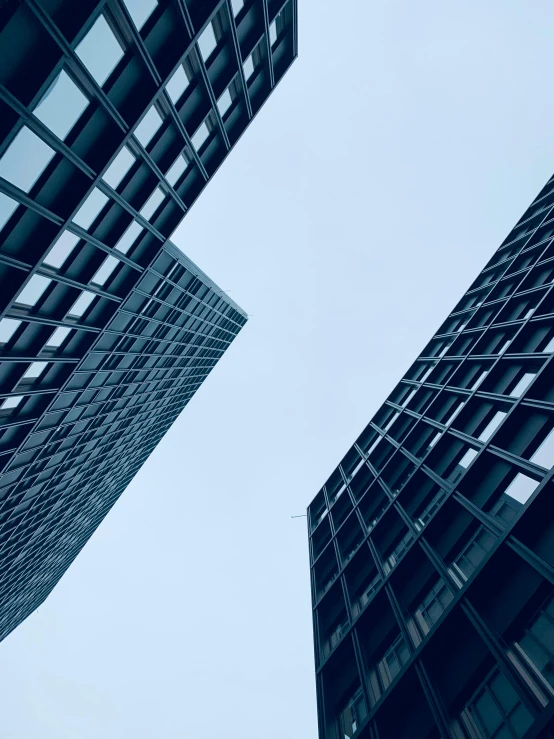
465	435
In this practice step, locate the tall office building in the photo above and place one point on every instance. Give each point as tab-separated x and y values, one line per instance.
113	117
432	543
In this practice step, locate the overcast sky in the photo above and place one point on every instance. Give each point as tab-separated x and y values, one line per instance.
399	150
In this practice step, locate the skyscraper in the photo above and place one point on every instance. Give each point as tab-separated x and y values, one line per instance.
113	117
432	542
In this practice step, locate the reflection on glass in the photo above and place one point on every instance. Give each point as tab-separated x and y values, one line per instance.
8	327
522	385
58	337
491	426
106	268
61	250
61	106
224	102
140	10
33	290
119	168
35	370
148	126
248	67
207	42
176	169
521	488
152	204
200	136
177	84
273	32
129	237
92	206
7	207
25	159
100	51
12	402
544	456
236	5
82	303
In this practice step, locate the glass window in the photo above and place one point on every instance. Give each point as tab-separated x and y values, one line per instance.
468	457
224	102
522	385
537	644
61	106
100	51
140	10
434	440
544	456
32	291
34	370
58	337
237	5
353	715
389	423
152	204
491	426
248	67
273	32
8	327
408	398
105	270
129	237
61	250
471	555
90	209
177	84
119	168
148	126
453	415
12	402
176	169
521	488
25	159
207	42
200	136
549	347
82	303
479	380
433	606
7	207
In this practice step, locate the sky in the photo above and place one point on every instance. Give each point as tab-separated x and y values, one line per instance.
397	153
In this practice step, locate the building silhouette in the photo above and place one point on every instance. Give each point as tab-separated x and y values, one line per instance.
432	542
113	117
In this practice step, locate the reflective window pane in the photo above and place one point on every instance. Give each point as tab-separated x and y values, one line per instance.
119	168
148	126
544	456
100	51
92	206
207	42
129	237
61	106
200	136
523	384
224	102
491	427
176	169
468	457
25	159
58	337
7	207
151	205
248	67
12	402
177	84
35	370
140	10
106	269
61	249
33	290
82	303
237	5
521	488
8	327
273	33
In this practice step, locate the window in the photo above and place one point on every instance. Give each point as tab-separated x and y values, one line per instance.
549	347
7	207
140	10
58	337
25	159
33	290
491	426
200	136
152	204
479	380
177	84
129	237
273	32
61	250
434	440
100	51
34	370
248	67
207	42
237	5
522	384
148	126
8	327
353	715
389	423
408	398
105	270
393	661
224	102
82	303
544	455
119	168
471	556
61	106
521	488
462	465
433	606
454	413
536	645
496	711
176	169
92	206
12	402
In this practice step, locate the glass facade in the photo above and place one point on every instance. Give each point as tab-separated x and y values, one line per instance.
432	542
114	116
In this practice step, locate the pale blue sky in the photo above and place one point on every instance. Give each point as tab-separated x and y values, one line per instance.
402	146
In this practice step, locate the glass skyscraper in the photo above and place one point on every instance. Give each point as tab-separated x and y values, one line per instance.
114	116
432	542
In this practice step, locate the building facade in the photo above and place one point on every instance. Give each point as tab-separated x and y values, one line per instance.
114	115
432	543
